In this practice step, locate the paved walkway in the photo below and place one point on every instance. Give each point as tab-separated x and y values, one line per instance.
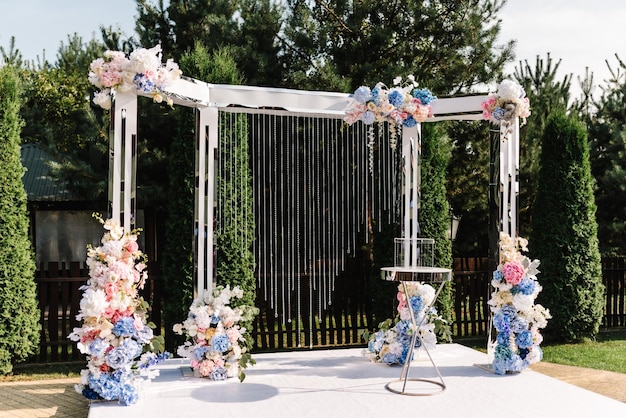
57	398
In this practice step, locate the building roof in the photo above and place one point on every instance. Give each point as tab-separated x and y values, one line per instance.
39	184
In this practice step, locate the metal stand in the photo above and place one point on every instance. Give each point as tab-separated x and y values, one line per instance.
424	275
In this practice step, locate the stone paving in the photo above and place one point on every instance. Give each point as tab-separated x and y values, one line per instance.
57	398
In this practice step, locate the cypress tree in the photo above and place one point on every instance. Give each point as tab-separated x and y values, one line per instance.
564	232
19	314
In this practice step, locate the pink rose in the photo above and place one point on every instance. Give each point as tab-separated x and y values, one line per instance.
513	272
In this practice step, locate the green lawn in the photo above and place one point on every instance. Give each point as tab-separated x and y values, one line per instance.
607	352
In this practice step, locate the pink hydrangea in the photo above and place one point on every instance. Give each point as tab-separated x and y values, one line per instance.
513	272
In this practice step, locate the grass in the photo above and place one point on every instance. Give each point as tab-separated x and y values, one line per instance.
606	352
43	371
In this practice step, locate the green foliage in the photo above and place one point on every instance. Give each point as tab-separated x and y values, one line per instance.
434	211
58	117
19	314
546	95
607	142
448	46
564	234
467	185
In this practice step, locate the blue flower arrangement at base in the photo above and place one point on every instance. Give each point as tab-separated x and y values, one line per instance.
116	337
516	318
391	343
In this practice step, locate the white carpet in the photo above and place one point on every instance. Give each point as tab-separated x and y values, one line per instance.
342	383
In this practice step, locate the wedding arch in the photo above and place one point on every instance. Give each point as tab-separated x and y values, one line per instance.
342	162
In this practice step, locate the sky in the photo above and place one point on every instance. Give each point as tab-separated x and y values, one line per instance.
580	33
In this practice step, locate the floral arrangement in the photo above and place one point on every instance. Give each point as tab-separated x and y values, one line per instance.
115	335
507	103
218	348
142	71
403	104
391	343
516	318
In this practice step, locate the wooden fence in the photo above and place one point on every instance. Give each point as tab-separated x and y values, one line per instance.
340	326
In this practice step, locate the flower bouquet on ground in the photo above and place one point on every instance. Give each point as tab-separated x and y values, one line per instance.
391	343
516	318
115	335
218	348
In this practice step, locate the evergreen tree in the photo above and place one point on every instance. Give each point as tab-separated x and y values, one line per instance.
434	208
546	95
19	314
564	233
607	142
338	45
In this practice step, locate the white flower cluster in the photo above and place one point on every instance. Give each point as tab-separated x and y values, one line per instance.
217	341
143	71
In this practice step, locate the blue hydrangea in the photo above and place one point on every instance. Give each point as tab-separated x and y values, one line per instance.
498	113
143	84
500	366
526	286
105	385
376	95
497	275
368	117
396	98
219	373
509	311
518	325
417	304
409	122
503	338
405	352
424	96
128	395
215	319
362	94
132	347
220	343
524	339
390	358
144	335
98	346
501	322
200	351
402	327
503	351
124	327
118	358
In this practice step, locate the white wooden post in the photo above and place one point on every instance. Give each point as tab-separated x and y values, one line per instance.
509	169
411	149
122	159
207	131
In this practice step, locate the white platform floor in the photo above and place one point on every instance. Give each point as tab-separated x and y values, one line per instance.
343	383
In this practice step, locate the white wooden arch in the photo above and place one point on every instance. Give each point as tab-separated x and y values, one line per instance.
209	99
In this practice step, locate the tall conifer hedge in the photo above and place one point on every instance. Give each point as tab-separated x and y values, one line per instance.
564	236
19	314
